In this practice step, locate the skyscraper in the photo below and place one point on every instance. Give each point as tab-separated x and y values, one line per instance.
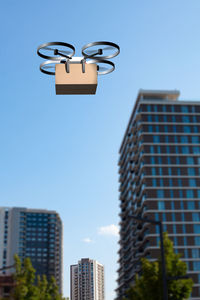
32	233
87	280
159	170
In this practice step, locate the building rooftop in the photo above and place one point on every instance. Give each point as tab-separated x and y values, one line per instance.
158	94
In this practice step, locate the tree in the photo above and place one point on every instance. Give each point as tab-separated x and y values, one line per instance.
28	288
149	284
25	288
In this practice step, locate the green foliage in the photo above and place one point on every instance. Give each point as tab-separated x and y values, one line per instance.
28	288
149	284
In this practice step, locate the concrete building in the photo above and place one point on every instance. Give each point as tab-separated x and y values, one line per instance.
87	280
7	285
33	233
74	282
159	170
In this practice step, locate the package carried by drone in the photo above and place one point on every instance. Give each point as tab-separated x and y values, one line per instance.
77	75
76	80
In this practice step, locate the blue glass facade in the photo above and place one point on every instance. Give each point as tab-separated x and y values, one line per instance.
160	163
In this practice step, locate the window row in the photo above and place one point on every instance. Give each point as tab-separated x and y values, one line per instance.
171	118
176	217
173	194
169	171
169	108
171	128
172	160
171	139
169	149
172	182
186	205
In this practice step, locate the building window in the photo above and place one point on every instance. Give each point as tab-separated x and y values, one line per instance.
190	194
178	171
184	109
196	150
186	253
148	108
196	228
192	182
175	139
154	182
161	182
160	193
167	149
195	253
185	150
164	217
196	265
197	240
194	118
190	205
155	108
185	240
186	129
161	205
172	206
158	149
191	171
195	139
171	194
179	182
169	171
156	118
184	139
165	118
185	119
174	229
149	118
152	159
168	160
150	128
156	139
152	149
153	170
157	217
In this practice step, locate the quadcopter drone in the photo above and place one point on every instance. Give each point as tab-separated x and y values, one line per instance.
77	75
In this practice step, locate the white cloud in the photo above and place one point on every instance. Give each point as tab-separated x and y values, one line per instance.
109	230
87	240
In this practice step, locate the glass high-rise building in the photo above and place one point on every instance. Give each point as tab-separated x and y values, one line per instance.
33	233
159	170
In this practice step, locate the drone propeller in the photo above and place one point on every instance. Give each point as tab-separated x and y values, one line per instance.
103	70
103	49
49	65
98	52
54	49
44	49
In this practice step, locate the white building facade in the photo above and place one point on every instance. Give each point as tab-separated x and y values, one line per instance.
87	280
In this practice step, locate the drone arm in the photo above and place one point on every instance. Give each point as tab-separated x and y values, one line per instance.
56	52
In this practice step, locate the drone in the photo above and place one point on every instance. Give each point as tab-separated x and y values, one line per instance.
77	75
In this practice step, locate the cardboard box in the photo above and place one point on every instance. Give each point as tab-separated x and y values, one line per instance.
76	82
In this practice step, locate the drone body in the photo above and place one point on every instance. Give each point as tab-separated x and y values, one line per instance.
77	75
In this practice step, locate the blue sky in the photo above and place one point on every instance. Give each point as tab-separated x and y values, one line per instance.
61	152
